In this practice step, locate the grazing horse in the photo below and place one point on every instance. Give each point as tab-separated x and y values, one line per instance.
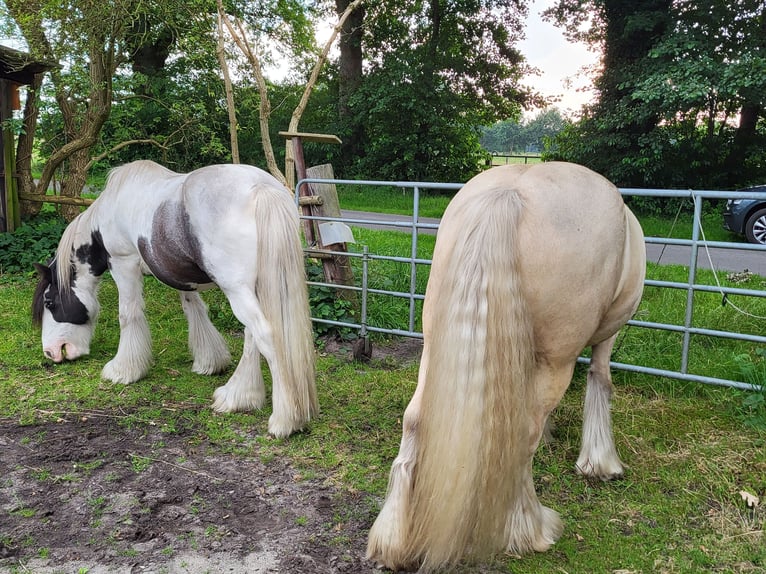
233	226
532	264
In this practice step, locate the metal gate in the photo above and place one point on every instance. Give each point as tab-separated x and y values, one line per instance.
416	225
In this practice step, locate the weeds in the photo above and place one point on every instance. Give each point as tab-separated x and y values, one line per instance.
754	403
34	242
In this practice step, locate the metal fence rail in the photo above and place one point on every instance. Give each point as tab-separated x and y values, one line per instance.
415	224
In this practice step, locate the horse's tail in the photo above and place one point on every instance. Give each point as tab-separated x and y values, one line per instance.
472	432
281	290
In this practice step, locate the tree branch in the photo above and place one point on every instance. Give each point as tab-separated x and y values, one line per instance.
121	145
221	54
240	40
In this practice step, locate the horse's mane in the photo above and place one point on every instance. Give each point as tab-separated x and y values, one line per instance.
135	172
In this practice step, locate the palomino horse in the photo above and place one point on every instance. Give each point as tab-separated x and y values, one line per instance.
532	264
234	226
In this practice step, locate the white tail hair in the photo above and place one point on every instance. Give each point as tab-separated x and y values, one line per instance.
282	292
473	440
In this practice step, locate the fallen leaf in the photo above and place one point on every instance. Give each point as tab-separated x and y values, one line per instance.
751	500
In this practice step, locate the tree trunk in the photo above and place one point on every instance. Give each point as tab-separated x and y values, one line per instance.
74	180
83	118
24	148
746	136
350	75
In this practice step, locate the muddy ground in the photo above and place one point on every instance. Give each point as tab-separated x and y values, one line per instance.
89	495
93	496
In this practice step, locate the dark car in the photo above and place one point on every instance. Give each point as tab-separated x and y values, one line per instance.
747	216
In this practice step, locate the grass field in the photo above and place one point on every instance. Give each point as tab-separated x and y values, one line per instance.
689	449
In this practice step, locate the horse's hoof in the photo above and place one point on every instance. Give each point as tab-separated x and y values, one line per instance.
213	369
226	400
602	471
114	373
282	429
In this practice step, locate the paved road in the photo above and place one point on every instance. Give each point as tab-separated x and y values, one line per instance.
723	259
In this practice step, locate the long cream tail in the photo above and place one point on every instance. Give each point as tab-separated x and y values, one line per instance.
470	437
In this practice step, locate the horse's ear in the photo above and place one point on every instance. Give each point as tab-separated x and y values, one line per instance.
43	270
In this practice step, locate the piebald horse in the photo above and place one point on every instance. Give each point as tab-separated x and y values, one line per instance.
233	226
532	264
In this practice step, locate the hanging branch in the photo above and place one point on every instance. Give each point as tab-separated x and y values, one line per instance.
301	107
240	39
220	52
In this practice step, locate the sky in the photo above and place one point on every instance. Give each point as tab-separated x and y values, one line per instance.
560	62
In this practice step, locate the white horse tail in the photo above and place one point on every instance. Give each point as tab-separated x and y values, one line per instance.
281	290
471	431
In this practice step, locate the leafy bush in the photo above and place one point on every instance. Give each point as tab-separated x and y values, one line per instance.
34	242
754	402
325	304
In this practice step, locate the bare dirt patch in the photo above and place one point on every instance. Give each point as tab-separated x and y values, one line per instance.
90	495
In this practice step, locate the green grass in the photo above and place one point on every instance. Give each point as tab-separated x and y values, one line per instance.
515	159
394	200
432	204
689	449
681	227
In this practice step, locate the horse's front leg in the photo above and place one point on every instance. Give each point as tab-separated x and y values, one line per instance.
134	353
208	347
245	390
598	454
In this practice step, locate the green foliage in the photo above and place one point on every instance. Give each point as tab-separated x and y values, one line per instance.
425	139
436	72
34	242
753	371
326	304
527	135
680	97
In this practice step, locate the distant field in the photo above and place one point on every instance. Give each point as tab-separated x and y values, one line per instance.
503	159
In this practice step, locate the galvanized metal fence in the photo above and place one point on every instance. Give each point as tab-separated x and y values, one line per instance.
416	225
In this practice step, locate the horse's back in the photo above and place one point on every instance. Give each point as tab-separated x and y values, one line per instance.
228	180
577	247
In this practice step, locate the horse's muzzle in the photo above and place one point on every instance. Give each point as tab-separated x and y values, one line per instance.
59	353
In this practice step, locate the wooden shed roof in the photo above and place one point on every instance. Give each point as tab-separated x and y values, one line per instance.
20	67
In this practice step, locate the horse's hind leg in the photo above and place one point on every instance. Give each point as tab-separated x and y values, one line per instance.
284	419
531	526
245	390
598	455
210	352
390	534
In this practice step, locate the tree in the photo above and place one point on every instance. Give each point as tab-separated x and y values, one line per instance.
87	40
510	136
713	79
436	71
240	36
613	129
668	100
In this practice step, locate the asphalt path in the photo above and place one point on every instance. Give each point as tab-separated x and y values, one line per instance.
733	260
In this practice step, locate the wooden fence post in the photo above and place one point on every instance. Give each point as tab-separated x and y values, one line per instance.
338	270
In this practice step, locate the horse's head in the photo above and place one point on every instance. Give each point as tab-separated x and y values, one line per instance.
66	310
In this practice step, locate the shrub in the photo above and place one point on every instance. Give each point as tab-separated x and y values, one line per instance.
34	242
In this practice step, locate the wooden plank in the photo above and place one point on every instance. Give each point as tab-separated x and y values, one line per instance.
311	137
338	268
